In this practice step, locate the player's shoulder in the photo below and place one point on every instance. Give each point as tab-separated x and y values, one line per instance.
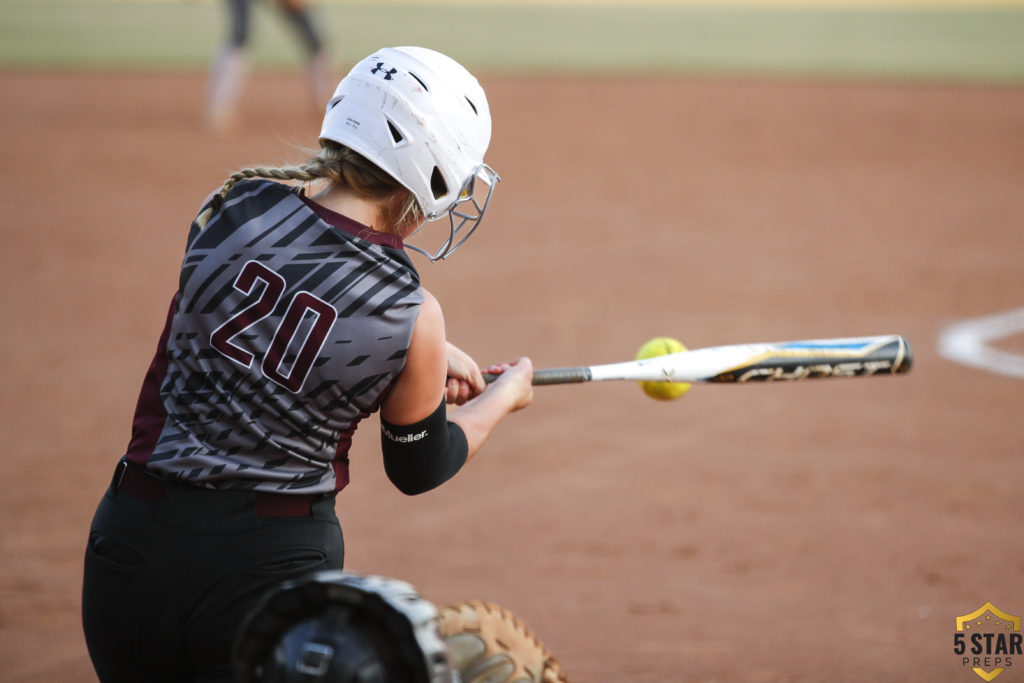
430	307
260	186
250	187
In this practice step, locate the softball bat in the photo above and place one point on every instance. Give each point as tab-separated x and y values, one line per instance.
746	363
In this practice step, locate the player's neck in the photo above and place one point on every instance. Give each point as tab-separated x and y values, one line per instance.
348	204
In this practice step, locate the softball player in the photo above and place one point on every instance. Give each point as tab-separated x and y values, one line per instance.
228	69
295	317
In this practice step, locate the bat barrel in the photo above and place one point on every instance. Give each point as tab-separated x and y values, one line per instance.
854	357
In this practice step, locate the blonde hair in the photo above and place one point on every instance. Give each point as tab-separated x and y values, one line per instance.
337	164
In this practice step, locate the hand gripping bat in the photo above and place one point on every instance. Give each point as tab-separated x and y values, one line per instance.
745	363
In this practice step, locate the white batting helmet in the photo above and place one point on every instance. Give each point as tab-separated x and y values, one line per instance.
423	118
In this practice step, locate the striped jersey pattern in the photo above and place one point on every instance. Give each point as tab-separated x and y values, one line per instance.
289	324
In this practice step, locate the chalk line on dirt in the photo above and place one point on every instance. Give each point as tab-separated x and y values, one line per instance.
967	342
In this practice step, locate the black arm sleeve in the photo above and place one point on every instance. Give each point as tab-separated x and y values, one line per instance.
422	456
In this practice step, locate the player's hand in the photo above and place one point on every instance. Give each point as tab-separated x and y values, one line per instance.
515	379
465	381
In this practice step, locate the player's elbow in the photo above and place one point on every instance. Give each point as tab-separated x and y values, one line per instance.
422	456
411	487
416	474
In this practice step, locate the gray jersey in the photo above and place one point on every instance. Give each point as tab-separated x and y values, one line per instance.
289	324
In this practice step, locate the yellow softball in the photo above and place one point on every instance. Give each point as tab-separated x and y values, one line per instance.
662	346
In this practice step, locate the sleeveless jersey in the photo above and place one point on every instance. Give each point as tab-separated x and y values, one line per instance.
289	324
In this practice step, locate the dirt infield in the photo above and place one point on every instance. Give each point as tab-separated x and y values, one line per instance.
802	532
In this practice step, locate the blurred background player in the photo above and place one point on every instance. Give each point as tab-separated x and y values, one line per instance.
342	627
229	69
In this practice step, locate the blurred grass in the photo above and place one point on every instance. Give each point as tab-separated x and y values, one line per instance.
919	42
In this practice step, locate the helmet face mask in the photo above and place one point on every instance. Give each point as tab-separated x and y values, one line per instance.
326	647
465	214
423	119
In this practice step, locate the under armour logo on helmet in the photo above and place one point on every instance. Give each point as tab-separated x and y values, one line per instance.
381	68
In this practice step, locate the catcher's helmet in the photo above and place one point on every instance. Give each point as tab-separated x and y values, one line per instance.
340	627
424	119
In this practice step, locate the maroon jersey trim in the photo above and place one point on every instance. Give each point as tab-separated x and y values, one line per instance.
354	228
150	414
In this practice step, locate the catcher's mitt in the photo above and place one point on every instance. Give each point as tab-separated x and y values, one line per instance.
487	644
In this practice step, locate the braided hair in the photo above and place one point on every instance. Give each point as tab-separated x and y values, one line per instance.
340	165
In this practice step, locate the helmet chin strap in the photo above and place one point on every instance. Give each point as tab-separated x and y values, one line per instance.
464	215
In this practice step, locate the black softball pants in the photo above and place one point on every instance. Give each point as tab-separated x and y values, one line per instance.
171	572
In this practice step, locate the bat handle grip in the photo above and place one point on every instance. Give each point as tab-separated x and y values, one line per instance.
553	376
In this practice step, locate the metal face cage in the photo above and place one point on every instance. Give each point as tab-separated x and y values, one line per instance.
464	215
